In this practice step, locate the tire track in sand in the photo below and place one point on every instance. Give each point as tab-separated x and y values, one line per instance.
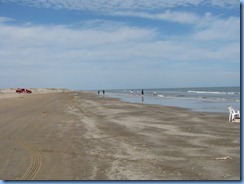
36	159
35	164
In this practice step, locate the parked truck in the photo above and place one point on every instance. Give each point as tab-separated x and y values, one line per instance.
23	90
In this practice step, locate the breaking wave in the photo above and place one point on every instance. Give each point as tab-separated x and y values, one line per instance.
214	92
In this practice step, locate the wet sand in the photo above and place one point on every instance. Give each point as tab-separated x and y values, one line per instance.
80	136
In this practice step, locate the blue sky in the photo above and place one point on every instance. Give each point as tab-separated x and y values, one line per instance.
115	44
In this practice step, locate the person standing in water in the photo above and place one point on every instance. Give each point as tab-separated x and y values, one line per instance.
142	95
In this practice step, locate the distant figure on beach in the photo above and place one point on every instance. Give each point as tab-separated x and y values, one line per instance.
154	93
103	92
98	92
142	92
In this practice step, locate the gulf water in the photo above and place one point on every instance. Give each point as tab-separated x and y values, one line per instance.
204	99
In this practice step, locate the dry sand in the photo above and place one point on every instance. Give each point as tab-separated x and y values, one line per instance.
80	136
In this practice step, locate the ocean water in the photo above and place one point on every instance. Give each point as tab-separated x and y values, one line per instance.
207	99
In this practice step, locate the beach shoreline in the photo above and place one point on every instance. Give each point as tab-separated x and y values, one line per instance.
72	135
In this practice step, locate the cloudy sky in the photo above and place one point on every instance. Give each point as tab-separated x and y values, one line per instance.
117	44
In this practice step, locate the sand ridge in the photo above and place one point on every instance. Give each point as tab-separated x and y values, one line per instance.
11	92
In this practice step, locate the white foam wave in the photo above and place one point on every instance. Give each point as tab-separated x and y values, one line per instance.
211	99
213	92
160	96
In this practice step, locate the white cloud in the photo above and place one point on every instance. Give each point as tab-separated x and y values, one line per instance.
47	44
224	3
217	29
180	17
109	5
30	44
49	52
6	19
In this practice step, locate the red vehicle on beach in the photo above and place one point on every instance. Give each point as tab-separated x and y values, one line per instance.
23	91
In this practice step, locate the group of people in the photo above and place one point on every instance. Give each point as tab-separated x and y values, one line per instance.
98	92
142	92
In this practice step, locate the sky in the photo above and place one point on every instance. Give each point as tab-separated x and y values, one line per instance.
119	44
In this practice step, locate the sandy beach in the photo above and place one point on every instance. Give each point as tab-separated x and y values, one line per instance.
82	136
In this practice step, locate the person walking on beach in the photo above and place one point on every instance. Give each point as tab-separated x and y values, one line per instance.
103	92
98	92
